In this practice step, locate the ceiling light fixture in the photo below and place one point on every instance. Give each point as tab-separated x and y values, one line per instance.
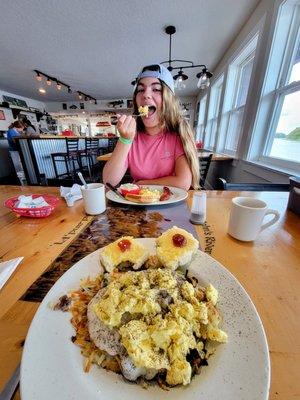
204	76
204	79
50	79
42	90
86	97
59	85
180	78
38	77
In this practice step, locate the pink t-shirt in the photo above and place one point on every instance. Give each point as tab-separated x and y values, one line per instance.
152	157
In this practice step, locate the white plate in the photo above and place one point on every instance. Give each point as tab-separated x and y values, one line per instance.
178	195
52	366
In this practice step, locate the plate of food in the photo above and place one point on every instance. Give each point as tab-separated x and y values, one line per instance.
146	318
141	195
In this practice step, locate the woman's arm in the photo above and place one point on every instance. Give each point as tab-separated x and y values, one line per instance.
182	178
115	168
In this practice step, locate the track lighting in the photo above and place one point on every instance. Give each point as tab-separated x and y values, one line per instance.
59	85
86	97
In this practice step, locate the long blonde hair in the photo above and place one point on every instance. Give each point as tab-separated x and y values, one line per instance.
173	121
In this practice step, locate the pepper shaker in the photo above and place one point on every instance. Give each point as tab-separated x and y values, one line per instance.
198	211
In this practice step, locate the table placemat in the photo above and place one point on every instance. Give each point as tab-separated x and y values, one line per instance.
146	222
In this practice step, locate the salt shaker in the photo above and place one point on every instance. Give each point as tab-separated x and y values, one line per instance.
198	211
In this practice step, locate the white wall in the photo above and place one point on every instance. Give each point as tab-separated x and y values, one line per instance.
264	10
8	113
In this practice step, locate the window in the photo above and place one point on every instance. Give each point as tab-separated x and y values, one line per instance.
201	118
238	81
213	113
276	135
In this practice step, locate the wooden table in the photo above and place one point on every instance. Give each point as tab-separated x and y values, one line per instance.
215	157
267	268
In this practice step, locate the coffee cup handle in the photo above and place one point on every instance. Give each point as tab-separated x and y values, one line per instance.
273	220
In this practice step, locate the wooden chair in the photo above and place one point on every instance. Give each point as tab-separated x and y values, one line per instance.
204	167
253	187
69	158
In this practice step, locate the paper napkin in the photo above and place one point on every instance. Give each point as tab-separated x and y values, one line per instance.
7	268
71	194
29	202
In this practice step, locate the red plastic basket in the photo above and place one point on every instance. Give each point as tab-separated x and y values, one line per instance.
39	212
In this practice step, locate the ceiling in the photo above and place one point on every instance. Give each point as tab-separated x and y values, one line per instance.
99	46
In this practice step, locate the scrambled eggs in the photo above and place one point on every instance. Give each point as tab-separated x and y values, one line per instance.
143	110
168	319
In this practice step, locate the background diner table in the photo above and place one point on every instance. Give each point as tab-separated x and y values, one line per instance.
215	157
268	269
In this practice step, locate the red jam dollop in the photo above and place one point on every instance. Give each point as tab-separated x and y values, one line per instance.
124	244
179	240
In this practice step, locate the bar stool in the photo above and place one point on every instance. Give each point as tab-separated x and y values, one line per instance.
90	151
71	156
111	144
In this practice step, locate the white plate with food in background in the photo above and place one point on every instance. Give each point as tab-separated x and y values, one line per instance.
177	195
52	366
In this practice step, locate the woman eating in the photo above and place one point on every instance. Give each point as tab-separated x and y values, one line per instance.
158	147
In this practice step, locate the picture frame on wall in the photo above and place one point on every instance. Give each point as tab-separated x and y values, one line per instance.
2	116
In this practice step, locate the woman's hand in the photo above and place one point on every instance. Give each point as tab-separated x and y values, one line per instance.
126	125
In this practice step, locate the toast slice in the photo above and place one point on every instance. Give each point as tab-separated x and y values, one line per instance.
145	195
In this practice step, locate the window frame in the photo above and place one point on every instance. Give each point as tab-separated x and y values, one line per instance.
200	129
246	53
281	57
213	112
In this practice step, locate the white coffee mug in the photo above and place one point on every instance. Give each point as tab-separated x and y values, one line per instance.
94	198
246	218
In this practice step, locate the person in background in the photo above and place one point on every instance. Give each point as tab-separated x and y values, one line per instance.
157	148
14	130
29	128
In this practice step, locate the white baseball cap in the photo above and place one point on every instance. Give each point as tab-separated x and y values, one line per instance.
157	71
